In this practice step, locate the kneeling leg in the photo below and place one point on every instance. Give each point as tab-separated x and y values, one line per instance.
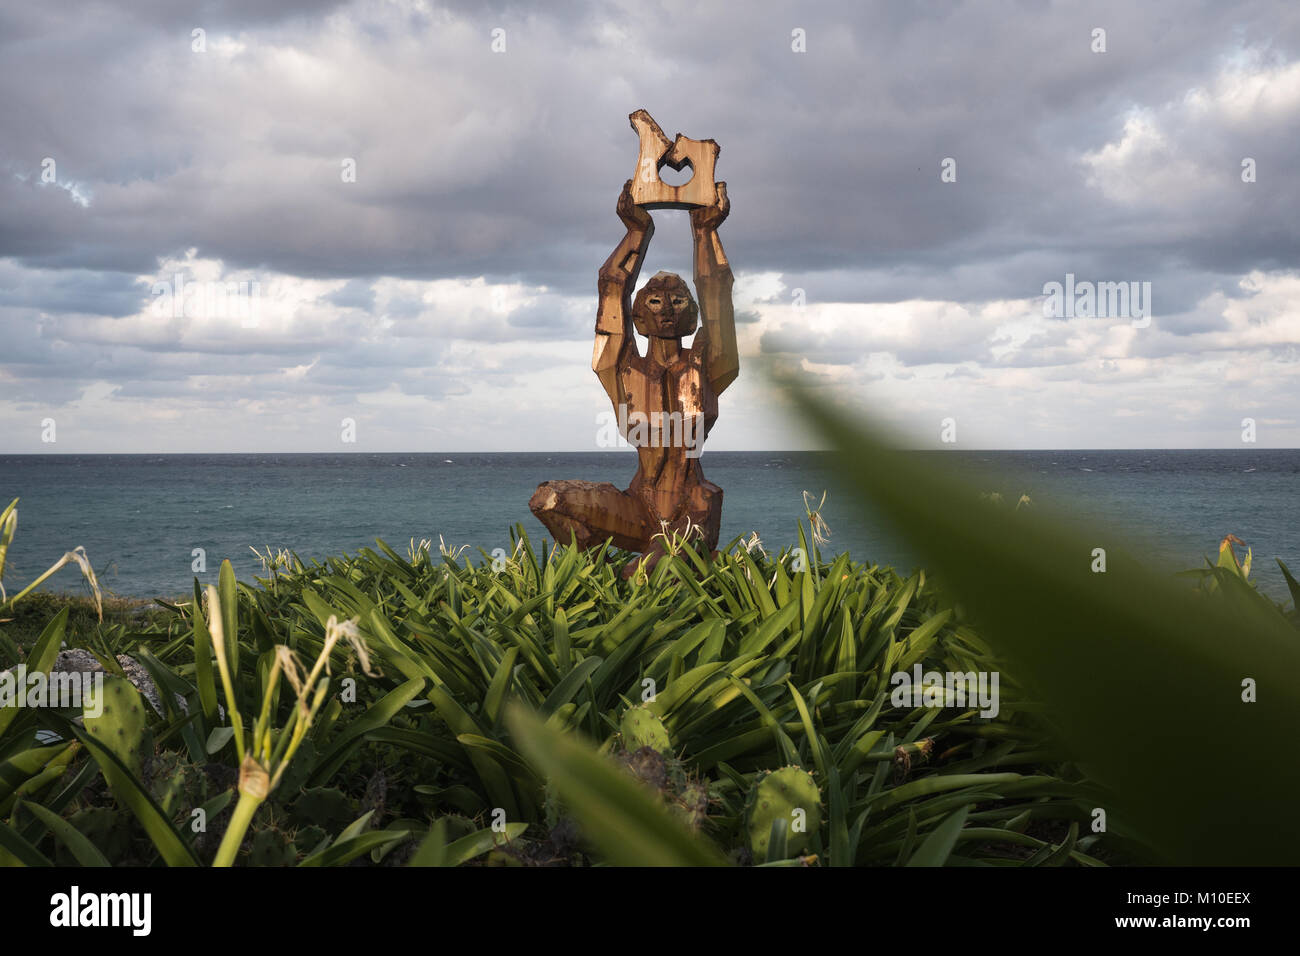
590	513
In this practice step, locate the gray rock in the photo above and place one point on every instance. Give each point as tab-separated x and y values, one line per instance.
76	660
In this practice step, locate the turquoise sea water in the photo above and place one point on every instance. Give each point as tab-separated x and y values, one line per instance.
141	516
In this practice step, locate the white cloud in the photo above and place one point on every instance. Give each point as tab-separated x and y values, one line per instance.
446	298
1180	153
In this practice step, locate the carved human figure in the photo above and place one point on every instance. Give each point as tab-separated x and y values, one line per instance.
666	401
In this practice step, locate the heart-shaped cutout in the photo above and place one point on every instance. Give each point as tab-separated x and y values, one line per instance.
683	163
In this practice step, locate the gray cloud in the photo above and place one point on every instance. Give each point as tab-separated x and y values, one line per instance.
505	167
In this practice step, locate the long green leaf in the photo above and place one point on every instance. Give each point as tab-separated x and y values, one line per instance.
130	791
618	814
23	852
376	716
937	846
85	852
44	653
1142	677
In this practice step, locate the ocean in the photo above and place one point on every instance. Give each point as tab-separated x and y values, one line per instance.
141	517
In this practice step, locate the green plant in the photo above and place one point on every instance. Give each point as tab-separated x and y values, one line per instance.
500	726
641	728
8	527
785	806
271	749
122	726
1141	678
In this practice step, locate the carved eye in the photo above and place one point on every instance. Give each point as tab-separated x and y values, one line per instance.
655	300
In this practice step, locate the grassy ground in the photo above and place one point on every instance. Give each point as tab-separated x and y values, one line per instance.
24	623
379	708
541	711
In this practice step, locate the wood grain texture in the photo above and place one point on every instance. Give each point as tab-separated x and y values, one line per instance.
657	151
666	400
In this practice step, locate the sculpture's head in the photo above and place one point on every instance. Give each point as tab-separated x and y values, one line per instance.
664	308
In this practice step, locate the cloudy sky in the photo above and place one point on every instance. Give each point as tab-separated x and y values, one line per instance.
418	196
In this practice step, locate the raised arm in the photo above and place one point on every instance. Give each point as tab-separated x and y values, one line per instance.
713	283
617	278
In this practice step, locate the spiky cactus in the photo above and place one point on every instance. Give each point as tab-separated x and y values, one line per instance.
692	803
788	796
272	847
685	793
122	726
177	784
641	728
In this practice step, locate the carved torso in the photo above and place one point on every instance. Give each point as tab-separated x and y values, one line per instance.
666	401
669	412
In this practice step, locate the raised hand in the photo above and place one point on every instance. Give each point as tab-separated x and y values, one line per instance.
711	217
633	216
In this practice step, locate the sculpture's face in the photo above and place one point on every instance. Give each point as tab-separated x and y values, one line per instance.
664	308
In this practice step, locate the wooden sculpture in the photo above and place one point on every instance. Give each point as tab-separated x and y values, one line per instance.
651	192
666	400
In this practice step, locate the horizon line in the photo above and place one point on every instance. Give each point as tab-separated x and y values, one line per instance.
616	451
